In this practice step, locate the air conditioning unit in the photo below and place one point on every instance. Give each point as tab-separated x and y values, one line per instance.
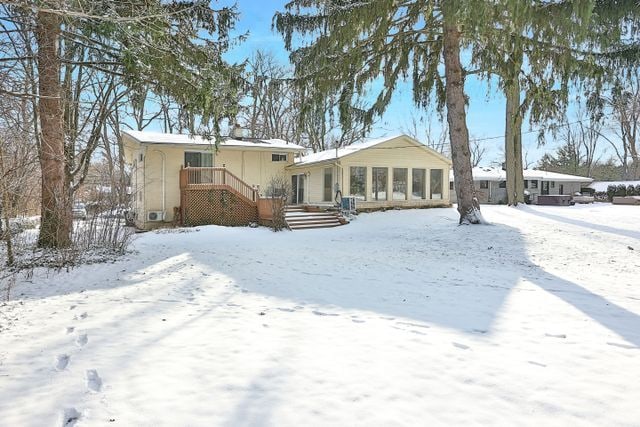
155	215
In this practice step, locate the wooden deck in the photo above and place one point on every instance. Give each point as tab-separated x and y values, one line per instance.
216	178
213	195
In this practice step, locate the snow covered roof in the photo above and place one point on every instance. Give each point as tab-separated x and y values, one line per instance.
345	151
497	174
602	185
180	139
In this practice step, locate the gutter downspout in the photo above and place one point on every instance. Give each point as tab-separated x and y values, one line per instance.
164	159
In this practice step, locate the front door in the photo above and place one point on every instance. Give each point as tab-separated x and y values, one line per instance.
561	191
297	189
545	188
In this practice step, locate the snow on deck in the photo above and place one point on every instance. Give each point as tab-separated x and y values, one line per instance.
401	318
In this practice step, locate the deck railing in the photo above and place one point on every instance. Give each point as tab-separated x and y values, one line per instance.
211	177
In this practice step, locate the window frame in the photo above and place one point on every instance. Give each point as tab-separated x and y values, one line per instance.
278	157
374	195
484	184
423	192
431	186
393	183
363	195
327	191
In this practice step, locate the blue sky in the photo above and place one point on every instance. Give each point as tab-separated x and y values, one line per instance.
485	116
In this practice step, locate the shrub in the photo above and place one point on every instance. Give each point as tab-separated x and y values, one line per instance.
278	191
611	191
631	191
621	190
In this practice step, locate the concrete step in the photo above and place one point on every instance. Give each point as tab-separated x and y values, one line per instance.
309	226
299	215
315	221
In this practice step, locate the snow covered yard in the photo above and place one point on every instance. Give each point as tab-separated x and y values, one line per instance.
400	318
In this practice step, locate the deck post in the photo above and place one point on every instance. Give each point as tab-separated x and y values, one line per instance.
183	177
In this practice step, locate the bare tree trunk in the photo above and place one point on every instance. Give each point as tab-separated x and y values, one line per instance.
4	209
457	119
56	222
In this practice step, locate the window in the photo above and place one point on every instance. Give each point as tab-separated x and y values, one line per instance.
197	159
278	157
436	184
358	182
328	182
379	183
502	184
534	183
399	184
418	182
526	183
484	184
553	184
451	185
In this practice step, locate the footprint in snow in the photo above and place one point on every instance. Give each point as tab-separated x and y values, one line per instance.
82	316
537	364
357	321
62	360
460	346
82	340
68	417
556	335
70	329
94	382
320	313
288	310
627	346
417	325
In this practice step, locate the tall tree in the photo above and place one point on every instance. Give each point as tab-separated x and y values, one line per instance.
172	48
624	103
541	52
528	49
362	45
55	226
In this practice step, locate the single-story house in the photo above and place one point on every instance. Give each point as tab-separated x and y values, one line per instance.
490	184
395	171
171	172
185	179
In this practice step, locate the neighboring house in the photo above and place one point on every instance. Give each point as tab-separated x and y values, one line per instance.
184	175
397	171
490	184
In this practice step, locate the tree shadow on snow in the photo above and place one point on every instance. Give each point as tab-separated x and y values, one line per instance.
396	266
588	225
